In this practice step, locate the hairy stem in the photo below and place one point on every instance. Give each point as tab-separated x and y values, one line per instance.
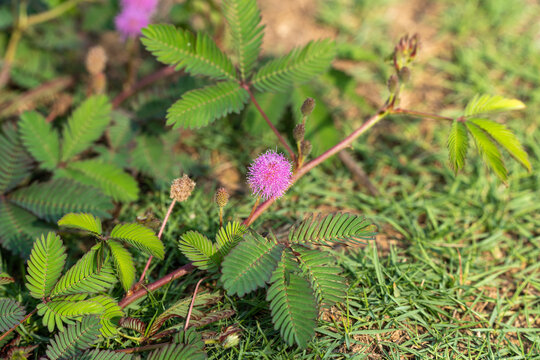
159	237
330	152
263	114
17	325
191	305
420	114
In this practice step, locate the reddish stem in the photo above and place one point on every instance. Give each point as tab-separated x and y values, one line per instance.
17	325
263	114
191	305
420	114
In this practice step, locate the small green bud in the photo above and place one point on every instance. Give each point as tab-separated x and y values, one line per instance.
308	106
405	74
299	132
222	197
306	148
393	83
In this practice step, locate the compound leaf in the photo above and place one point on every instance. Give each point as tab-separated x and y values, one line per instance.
458	143
15	162
141	237
123	262
229	236
488	150
486	104
81	221
40	139
75	339
11	314
45	265
199	250
59	311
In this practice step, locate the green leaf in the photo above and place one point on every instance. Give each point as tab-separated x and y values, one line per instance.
141	237
488	150
15	162
177	352
198	55
57	312
200	107
53	199
250	264
486	104
229	236
98	354
45	265
86	277
340	228
86	125
293	306
121	131
124	263
19	228
300	65
458	143
11	314
199	250
40	139
5	278
244	19
82	221
505	138
75	339
317	266
110	179
111	315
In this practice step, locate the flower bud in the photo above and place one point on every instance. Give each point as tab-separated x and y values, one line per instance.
308	106
405	74
306	148
222	197
393	83
181	188
96	59
299	132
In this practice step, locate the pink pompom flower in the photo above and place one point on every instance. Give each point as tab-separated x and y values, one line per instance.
148	6
131	20
269	176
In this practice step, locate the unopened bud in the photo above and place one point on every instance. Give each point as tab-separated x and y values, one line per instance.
405	74
306	148
96	59
393	83
308	106
231	340
299	132
222	197
181	188
62	104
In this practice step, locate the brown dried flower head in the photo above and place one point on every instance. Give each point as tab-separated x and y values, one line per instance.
181	188
308	106
222	197
299	132
96	59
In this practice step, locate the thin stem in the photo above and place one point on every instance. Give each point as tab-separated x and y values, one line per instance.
142	348
420	114
53	13
191	305
178	273
159	237
263	114
310	165
17	325
220	217
253	209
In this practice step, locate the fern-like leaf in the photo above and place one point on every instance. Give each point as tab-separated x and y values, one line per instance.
200	107
57	312
229	236
109	178
75	339
40	139
45	265
86	125
98	354
487	104
244	19
133	324
81	221
86	277
53	199
505	138
329	229
250	264
111	315
488	150
324	277
292	302
177	352
200	250
123	262
212	318
5	278
458	143
15	162
198	55
141	237
299	66
11	314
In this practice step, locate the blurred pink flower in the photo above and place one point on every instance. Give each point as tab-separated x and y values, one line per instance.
269	175
134	16
143	5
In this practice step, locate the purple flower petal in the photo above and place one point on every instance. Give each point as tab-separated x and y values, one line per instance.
269	176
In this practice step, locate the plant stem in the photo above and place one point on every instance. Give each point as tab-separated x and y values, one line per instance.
310	165
420	114
263	114
183	270
159	237
142	348
254	208
191	305
17	325
53	13
220	217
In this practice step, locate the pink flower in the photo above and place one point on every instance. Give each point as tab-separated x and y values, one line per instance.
143	5
269	175
131	20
